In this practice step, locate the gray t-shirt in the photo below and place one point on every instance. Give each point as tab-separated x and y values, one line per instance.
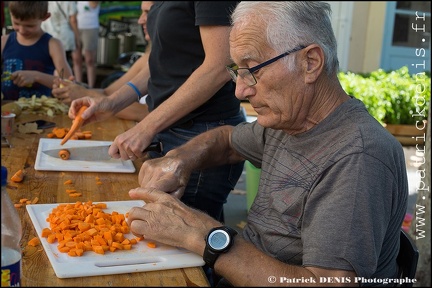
333	197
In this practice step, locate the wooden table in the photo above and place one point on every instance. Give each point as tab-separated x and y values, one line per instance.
49	187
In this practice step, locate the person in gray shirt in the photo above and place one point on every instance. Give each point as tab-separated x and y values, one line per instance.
333	188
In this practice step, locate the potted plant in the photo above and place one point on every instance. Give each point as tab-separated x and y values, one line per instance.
396	99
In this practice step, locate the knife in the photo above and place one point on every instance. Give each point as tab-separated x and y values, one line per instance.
94	153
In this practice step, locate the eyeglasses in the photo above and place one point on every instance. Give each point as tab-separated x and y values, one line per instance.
247	73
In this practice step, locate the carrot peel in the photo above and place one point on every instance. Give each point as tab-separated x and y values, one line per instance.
76	125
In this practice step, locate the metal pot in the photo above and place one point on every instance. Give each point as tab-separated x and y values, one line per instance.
109	50
127	42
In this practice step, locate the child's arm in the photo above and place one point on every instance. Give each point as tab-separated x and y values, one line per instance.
58	55
4	38
26	78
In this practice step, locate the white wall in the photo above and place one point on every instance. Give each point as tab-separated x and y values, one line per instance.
342	25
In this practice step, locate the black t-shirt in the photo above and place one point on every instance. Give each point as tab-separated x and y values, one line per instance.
177	50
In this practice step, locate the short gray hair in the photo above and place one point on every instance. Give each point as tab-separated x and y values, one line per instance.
292	23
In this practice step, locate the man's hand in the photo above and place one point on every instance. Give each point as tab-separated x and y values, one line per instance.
167	220
99	108
165	174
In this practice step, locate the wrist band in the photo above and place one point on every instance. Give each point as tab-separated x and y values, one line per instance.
135	89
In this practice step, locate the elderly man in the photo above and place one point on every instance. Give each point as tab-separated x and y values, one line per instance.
333	188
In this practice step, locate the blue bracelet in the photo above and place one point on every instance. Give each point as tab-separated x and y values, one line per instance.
135	89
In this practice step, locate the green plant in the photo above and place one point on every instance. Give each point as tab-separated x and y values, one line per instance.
391	97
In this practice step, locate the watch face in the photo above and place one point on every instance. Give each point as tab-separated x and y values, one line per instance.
218	239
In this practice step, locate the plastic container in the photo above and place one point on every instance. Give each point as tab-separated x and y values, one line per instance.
252	182
11	233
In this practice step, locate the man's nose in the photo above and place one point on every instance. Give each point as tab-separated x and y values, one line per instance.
242	90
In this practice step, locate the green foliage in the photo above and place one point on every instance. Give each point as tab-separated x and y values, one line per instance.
393	97
117	10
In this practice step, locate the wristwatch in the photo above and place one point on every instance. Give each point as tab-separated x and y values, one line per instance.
219	240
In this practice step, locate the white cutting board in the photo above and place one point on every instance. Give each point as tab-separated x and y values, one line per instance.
139	259
45	162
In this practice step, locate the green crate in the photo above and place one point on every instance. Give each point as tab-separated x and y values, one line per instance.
252	182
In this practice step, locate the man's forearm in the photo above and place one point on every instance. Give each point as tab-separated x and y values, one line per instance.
208	149
95	92
122	98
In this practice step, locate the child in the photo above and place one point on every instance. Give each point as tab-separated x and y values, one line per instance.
29	55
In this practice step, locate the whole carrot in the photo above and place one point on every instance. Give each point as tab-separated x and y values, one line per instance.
76	124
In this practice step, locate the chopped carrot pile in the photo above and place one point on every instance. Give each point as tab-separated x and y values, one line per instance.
84	226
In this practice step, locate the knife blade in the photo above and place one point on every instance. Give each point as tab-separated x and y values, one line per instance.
94	153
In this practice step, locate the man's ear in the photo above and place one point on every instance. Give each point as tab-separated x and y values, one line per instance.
315	63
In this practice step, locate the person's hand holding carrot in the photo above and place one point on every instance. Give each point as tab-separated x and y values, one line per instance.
99	109
76	125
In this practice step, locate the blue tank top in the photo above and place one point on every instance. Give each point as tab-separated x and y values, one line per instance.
19	57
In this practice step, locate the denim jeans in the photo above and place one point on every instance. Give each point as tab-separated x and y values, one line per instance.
208	189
